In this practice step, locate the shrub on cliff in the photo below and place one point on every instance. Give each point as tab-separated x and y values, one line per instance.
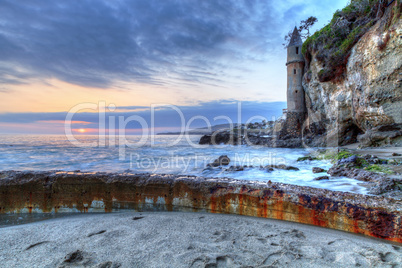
334	42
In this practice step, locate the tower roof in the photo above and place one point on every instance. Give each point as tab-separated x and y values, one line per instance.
295	40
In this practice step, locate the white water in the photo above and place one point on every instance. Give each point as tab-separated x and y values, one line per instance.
55	152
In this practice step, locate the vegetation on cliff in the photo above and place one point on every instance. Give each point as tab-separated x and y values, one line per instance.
332	44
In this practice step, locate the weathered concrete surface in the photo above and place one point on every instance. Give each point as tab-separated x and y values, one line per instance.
86	192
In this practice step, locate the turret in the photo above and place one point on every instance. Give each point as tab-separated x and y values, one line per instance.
295	68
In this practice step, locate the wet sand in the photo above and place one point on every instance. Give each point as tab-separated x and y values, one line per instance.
177	239
381	152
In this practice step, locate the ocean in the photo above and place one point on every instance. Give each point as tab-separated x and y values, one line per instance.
163	154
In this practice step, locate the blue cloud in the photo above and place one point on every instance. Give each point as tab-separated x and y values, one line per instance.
95	42
164	116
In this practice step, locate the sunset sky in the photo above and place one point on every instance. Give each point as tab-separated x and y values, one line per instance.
202	55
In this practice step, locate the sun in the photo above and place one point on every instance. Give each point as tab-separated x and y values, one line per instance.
82	130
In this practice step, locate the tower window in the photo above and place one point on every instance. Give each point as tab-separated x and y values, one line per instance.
294	71
297	50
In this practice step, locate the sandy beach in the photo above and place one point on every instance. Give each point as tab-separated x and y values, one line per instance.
177	239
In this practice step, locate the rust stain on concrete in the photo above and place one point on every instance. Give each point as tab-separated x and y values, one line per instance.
34	192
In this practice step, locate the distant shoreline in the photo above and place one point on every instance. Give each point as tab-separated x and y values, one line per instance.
201	131
185	133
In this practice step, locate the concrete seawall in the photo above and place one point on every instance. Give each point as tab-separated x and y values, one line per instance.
38	192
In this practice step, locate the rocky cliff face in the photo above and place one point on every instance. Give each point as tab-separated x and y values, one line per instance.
366	104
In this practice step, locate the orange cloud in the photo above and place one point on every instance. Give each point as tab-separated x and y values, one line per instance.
62	122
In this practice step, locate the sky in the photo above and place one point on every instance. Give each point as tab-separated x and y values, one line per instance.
202	56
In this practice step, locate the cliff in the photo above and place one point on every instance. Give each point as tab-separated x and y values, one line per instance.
353	77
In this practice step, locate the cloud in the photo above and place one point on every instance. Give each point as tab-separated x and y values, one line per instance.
164	116
96	43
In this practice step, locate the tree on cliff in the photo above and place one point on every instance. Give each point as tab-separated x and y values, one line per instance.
332	44
304	29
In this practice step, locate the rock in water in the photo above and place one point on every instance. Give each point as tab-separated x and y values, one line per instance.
235	168
223	160
221	137
355	173
206	139
318	170
321	178
306	158
284	167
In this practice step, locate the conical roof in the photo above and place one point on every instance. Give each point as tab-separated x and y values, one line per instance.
296	39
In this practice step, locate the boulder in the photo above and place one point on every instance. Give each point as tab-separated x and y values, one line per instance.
393	162
387	186
318	170
221	137
382	136
206	139
349	160
235	168
321	178
306	158
284	167
223	160
372	159
355	173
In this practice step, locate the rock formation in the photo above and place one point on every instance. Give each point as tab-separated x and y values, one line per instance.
352	84
365	102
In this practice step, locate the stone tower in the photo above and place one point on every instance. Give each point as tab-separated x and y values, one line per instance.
295	93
